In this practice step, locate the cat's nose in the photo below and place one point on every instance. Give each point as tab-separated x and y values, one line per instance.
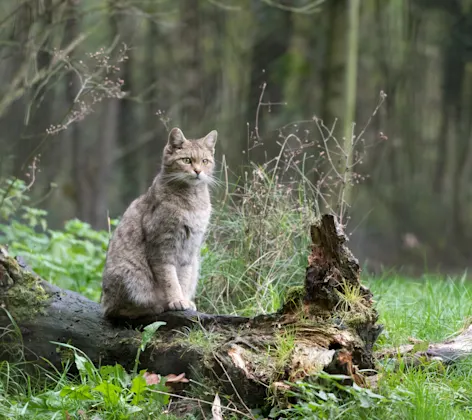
197	171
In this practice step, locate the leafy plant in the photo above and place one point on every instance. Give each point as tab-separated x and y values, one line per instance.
106	392
72	258
327	398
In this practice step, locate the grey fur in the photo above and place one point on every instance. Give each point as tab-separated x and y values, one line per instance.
152	262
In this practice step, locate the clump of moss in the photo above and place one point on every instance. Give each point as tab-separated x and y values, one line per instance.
294	298
355	319
204	342
21	292
66	354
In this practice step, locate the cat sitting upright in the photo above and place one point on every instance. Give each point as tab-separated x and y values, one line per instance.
152	262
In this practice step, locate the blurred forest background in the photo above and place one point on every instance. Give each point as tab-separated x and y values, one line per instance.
255	70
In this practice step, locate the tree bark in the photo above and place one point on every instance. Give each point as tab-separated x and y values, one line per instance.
329	324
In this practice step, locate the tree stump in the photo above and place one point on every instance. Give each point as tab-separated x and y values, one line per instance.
327	324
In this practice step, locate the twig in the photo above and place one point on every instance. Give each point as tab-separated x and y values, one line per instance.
256	128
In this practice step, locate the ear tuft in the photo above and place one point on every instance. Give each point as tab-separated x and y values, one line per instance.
176	138
210	140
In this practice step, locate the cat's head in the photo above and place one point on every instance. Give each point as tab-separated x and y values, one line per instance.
189	160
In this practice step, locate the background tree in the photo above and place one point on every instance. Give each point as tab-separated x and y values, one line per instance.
247	68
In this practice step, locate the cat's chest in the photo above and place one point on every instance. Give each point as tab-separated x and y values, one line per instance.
194	224
191	234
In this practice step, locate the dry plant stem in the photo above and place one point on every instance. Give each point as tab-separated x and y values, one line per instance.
232	385
382	98
33	168
343	173
256	128
86	88
326	139
258	110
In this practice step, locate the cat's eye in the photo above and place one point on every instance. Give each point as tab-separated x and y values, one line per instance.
187	161
205	161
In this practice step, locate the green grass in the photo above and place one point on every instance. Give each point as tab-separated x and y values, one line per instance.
429	309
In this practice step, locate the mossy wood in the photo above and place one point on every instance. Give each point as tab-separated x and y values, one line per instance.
329	324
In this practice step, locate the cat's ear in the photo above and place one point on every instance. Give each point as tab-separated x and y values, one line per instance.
176	139
210	140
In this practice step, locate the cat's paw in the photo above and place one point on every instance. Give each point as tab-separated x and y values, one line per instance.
182	305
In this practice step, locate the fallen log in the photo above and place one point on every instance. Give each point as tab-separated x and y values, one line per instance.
327	324
447	352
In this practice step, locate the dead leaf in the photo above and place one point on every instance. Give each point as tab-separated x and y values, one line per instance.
152	378
171	378
216	408
345	358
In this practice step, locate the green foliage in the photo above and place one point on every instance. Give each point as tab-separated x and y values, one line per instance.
146	336
429	309
106	392
328	398
72	258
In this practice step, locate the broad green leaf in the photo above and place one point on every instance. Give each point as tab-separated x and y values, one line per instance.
116	373
148	332
86	368
138	387
81	392
110	392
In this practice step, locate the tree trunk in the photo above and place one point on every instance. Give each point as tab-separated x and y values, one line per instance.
80	163
329	324
350	89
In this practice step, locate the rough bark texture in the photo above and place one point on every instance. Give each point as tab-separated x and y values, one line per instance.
329	325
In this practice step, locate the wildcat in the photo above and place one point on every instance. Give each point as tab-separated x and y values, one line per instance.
152	262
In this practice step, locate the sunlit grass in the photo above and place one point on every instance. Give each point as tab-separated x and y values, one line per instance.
431	308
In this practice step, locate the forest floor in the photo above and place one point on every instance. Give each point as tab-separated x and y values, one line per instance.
257	247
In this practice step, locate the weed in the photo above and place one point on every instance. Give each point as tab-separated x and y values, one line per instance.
282	350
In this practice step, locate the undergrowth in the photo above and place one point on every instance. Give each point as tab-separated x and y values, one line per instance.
97	392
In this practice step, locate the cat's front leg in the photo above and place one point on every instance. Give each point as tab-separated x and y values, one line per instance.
174	296
187	283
